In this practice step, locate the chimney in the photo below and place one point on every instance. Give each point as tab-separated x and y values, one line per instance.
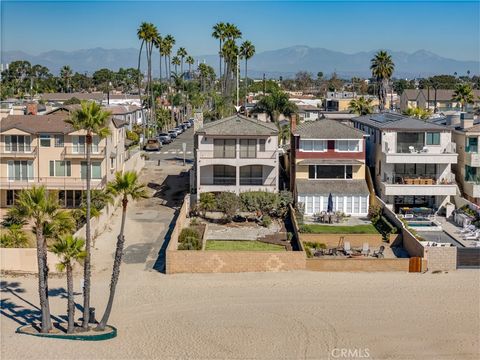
466	121
293	123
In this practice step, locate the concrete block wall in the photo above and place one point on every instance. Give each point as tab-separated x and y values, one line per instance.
440	258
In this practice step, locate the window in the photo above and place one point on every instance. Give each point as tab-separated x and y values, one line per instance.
248	148
261	143
60	168
347	145
364	205
330	171
18	143
44	140
59	141
96	170
356	204
112	163
12	195
20	170
349	205
251	175
433	138
339	206
224	175
224	148
78	144
313	145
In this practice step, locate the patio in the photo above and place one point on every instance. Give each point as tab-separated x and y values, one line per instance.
345	221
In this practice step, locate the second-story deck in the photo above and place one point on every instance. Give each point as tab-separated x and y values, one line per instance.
415	154
51	183
20	152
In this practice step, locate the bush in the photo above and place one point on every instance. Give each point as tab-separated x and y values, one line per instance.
266	202
133	136
14	237
266	221
229	204
189	239
207	202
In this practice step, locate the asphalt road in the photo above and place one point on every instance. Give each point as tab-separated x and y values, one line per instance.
174	149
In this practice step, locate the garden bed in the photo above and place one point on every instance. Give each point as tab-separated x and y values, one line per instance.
333	229
241	245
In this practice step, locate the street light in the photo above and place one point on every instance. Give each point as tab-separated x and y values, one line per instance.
108	92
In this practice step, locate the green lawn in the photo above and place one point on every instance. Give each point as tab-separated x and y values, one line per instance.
329	229
241	245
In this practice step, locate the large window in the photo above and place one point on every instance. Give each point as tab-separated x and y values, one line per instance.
330	171
96	170
313	145
59	141
224	148
347	145
20	143
20	170
224	175
410	141
79	144
251	175
433	138
248	148
60	168
356	205
44	140
471	144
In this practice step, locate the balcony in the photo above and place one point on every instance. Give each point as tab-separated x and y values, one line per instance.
472	158
472	188
421	185
414	154
52	183
80	153
19	152
206	157
214	184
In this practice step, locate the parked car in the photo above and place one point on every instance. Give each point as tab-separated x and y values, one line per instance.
164	138
187	124
183	126
173	134
152	145
178	129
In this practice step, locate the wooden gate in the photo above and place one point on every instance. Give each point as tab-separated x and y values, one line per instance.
415	264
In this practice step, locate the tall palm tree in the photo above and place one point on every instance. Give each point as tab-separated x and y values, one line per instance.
418	113
190	61
382	68
142	34
219	33
181	53
66	74
94	120
41	208
274	105
463	94
69	249
176	62
361	106
126	185
247	50
229	52
169	41
157	41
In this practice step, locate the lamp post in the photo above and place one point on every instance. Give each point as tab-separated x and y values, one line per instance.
108	92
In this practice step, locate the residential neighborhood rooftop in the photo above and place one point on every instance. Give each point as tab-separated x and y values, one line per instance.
53	123
238	125
390	121
327	129
352	187
439	94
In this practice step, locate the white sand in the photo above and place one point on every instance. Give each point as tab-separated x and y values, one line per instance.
270	316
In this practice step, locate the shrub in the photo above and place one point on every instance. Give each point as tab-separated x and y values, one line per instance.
14	237
189	239
229	204
266	221
193	221
133	136
207	202
300	213
266	202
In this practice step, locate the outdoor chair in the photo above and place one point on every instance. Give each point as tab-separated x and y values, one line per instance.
379	253
332	252
467	229
365	249
347	249
473	236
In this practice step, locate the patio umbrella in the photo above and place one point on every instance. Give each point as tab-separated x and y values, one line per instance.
330	203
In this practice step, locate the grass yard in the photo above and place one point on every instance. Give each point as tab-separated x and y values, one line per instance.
329	229
241	245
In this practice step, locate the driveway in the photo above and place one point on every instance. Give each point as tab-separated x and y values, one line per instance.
174	150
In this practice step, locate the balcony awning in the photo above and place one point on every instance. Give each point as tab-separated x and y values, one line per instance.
330	162
335	187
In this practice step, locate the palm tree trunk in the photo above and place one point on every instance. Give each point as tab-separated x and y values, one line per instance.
71	303
86	265
166	69
42	281
160	66
116	267
246	83
220	61
169	70
138	69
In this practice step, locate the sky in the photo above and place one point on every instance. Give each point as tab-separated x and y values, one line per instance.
447	28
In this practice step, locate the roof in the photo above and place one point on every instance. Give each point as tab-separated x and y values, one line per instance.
119	122
308	108
66	96
441	94
330	162
36	124
335	187
238	125
395	122
327	129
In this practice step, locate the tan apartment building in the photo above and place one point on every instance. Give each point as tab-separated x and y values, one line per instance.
432	99
45	150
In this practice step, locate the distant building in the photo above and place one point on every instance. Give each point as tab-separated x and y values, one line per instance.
308	112
432	99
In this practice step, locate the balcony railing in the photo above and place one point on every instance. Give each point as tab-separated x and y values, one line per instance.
239	154
18	151
471	149
232	181
417	148
417	179
70	151
51	182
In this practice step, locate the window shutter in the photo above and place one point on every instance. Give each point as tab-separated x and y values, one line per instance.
52	168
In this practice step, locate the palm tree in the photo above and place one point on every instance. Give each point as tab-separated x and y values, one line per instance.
94	120
207	202
127	186
69	249
464	95
382	68
229	52
158	41
219	33
168	43
190	61
247	50
418	113
181	53
175	62
66	74
361	106
41	208
284	133
274	105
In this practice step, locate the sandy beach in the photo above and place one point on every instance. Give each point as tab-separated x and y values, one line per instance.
295	315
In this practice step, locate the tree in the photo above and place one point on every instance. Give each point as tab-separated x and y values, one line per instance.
94	120
284	134
228	203
382	68
418	113
72	101
190	61
69	249
274	105
247	50
66	74
168	42
15	237
41	208
304	80
181	53
361	106
207	202
219	33
229	54
157	43
464	95
127	186
175	62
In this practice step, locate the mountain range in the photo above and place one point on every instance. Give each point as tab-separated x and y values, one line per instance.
282	62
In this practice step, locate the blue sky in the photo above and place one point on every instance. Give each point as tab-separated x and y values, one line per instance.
449	29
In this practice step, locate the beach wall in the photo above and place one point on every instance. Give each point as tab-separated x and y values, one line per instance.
441	258
24	260
363	265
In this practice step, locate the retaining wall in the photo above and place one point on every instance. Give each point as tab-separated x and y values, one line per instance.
363	264
24	260
441	258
